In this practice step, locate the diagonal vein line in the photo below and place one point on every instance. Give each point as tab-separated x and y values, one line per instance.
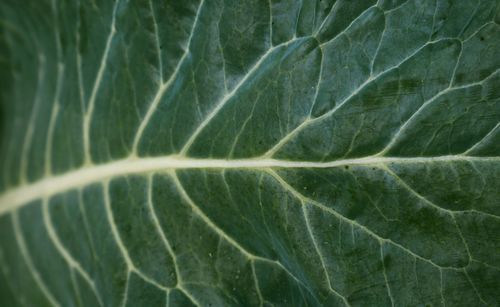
433	205
97	83
28	137
190	297
415	115
441	287
125	290
475	288
397	7
160	231
346	28
405	185
53	118
334	6
384	270
78	56
344	101
250	256
70	260
157	40
316	247
57	94
297	19
165	86
318	83
208	221
29	262
76	289
257	286
114	229
379	45
349	26
372	234
219	105
483	139
116	235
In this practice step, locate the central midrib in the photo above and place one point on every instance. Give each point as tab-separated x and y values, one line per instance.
22	195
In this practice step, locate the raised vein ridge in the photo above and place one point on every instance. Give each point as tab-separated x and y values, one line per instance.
46	187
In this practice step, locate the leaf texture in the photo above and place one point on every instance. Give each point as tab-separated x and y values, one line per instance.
250	153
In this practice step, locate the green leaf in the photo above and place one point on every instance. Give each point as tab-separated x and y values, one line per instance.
257	152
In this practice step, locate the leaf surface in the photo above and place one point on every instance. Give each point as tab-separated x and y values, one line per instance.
228	153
